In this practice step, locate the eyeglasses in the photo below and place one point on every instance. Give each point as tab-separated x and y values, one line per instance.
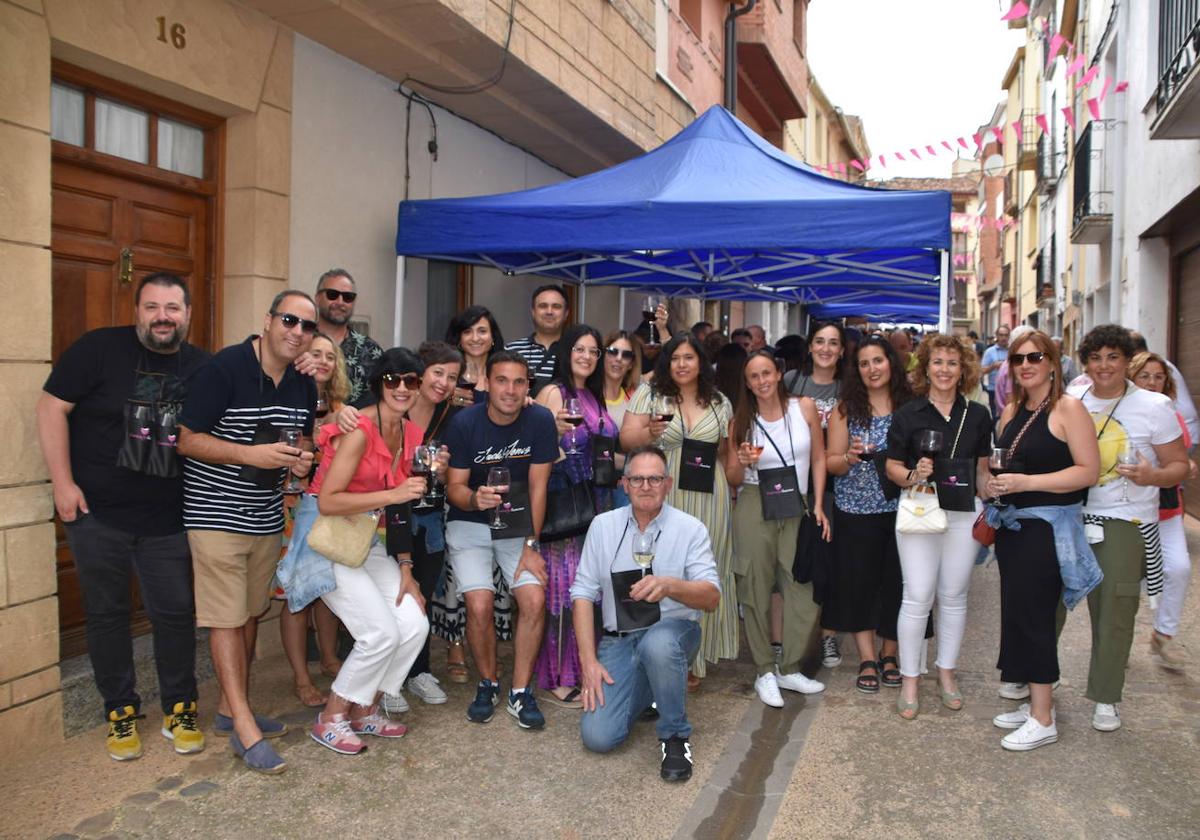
627	355
1017	359
290	321
391	381
334	294
637	481
580	350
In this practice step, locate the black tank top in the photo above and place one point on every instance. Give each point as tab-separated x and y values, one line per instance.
1039	452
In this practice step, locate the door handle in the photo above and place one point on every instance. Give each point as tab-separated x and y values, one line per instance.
125	275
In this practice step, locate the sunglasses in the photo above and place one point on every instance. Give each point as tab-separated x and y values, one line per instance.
391	381
1016	359
290	321
334	294
627	355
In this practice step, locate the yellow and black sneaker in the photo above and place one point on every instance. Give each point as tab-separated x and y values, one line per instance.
180	727
123	741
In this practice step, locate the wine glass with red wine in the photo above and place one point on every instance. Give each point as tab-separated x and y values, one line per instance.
650	306
573	415
930	444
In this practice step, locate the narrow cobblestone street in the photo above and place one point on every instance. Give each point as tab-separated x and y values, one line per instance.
838	765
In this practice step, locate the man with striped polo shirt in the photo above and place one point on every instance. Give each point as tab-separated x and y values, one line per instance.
236	463
540	348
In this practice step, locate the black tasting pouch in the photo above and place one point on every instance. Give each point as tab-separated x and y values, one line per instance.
604	460
515	513
398	527
631	614
1168	498
140	422
891	490
164	459
779	493
263	479
697	462
955	480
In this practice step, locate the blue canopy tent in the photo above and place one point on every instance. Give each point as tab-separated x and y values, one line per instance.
715	212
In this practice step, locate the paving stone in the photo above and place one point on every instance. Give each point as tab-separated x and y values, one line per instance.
170	807
96	824
199	789
169	783
65	837
146	797
135	821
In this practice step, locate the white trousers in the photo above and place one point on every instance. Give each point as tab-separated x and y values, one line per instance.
387	637
1177	571
935	565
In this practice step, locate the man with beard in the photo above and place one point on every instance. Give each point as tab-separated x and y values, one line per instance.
335	307
236	460
549	312
106	423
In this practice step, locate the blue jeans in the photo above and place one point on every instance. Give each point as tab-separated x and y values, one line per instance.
648	665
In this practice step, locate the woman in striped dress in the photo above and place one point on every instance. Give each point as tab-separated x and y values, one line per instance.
685	414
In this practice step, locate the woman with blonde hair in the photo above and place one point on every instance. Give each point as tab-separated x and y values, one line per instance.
940	440
622	376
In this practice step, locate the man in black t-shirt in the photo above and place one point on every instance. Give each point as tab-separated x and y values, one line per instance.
106	425
503	432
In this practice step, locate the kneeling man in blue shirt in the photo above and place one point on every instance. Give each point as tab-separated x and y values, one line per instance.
650	617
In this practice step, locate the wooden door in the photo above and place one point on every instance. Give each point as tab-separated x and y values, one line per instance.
1187	348
108	231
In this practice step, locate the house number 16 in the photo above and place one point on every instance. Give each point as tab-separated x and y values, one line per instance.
175	31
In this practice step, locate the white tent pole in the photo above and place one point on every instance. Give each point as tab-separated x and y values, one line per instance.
944	297
398	307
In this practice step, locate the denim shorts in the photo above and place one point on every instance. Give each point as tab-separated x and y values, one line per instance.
472	551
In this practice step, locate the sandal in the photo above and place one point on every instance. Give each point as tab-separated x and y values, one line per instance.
890	676
331	671
952	700
570	700
867	683
308	695
456	669
693	682
907	710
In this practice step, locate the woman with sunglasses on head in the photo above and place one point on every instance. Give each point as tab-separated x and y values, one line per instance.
938	564
682	412
865	589
580	378
1149	371
476	334
333	388
379	601
1049	458
773	440
622	375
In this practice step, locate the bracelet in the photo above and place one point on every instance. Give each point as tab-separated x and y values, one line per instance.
404	562
846	457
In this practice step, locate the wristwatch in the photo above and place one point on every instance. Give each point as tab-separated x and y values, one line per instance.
534	543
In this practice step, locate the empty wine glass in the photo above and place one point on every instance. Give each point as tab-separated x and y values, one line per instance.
1127	456
574	416
643	551
291	436
498	479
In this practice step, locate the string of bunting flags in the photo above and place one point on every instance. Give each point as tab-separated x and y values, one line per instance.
1076	62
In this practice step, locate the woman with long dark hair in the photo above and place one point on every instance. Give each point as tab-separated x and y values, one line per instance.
683	412
476	334
773	440
579	377
864	593
727	367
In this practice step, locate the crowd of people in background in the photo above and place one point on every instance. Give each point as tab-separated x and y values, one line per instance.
618	503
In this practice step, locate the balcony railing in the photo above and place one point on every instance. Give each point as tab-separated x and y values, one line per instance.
1049	164
1093	190
1178	46
1027	147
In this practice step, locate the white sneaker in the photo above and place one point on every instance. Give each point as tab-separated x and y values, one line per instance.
1030	736
768	690
1014	691
1015	720
799	682
394	704
1106	718
426	687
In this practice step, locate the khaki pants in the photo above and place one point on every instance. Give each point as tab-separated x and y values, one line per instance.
1113	607
762	562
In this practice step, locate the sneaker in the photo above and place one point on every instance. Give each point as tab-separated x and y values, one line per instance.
336	734
373	723
427	689
1169	650
180	726
1030	736
676	760
524	708
487	695
831	657
1014	691
395	704
1106	718
1015	720
123	741
768	690
799	682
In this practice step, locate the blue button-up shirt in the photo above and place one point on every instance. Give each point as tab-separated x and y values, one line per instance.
681	550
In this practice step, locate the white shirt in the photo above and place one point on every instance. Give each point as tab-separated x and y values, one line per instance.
792	422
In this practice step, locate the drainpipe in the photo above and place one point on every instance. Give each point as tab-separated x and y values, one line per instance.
731	17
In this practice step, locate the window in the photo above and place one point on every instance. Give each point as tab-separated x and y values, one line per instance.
122	131
181	148
67	112
689	10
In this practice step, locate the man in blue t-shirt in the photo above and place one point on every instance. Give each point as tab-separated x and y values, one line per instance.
503	432
993	358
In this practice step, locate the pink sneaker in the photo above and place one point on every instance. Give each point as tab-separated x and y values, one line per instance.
373	723
337	734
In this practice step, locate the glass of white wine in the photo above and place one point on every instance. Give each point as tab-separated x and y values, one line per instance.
643	551
1128	457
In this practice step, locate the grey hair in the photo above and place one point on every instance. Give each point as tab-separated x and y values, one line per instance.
649	449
